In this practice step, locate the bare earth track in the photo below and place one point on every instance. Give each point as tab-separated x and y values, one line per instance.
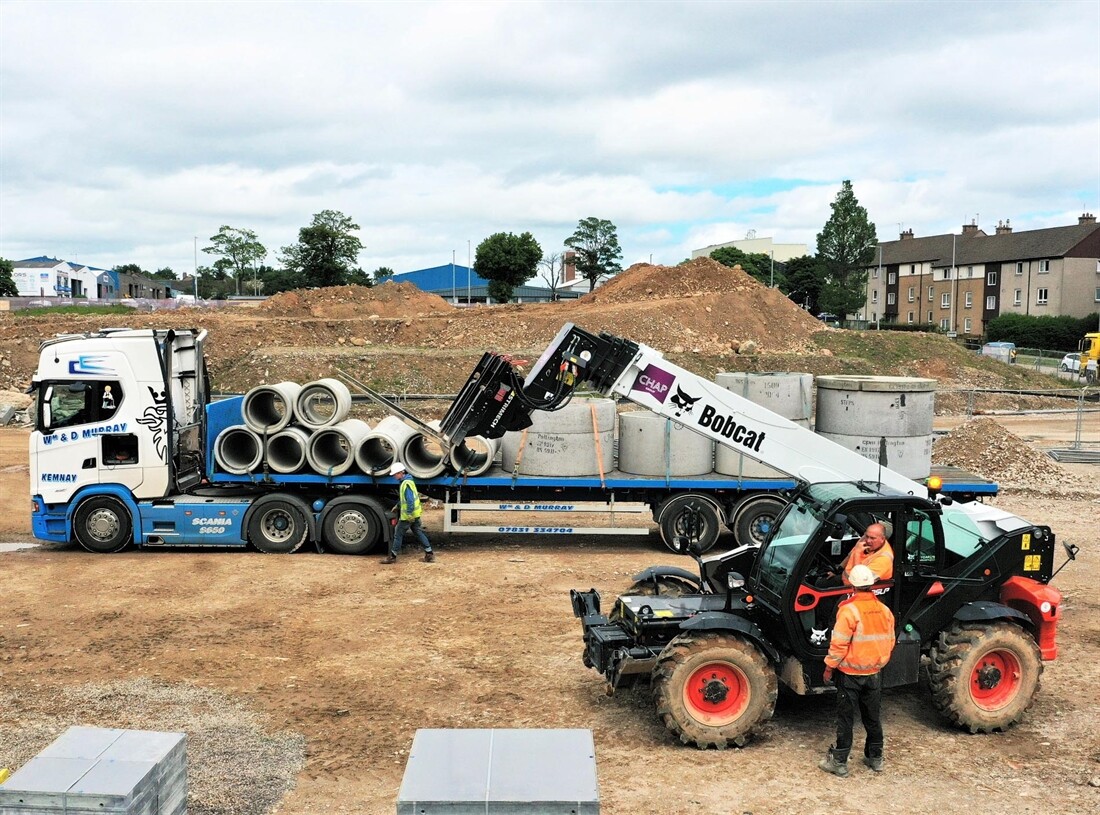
342	659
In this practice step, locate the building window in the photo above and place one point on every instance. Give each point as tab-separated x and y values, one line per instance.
910	318
945	300
947	274
1019	268
1044	266
991	303
944	325
891	278
991	279
931	293
969	299
874	274
911	294
874	295
890	298
930	318
1041	297
969	271
1017	296
1096	299
966	325
912	268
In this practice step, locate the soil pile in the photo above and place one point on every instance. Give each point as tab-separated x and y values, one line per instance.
984	447
643	281
349	302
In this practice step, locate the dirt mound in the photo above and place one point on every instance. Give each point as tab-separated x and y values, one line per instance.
347	302
984	447
643	281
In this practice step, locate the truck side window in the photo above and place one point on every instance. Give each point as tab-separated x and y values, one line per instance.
80	403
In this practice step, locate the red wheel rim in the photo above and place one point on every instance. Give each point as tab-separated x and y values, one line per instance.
716	693
995	679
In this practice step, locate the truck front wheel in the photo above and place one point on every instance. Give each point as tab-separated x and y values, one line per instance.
102	525
713	689
277	527
984	676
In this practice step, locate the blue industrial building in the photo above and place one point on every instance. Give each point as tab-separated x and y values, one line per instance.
461	285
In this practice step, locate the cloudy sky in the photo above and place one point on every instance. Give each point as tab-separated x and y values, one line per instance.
129	129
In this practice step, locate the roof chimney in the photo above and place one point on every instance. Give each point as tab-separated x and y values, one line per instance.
1004	228
970	228
1086	218
569	267
907	235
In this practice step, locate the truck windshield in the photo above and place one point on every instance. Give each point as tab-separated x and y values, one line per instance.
785	546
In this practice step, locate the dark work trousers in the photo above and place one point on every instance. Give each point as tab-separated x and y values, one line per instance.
866	693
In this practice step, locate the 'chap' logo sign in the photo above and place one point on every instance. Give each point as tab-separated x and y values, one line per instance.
655	382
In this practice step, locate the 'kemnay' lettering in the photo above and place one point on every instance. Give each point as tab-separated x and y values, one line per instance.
728	428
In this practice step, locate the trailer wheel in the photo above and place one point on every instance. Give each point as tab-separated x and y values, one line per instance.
689	519
984	677
277	527
350	527
754	520
663	586
713	689
102	525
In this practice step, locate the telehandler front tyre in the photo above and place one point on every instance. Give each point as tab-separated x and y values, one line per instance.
984	676
663	586
103	525
713	689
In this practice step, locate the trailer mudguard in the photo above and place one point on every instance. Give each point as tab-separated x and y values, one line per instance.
724	621
668	571
986	610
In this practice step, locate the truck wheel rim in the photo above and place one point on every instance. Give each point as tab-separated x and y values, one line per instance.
350	526
995	679
278	526
716	693
103	525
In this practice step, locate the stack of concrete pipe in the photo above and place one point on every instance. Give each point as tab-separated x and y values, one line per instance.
576	440
653	445
788	394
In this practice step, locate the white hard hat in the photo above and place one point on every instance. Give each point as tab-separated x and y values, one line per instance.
861	577
397	467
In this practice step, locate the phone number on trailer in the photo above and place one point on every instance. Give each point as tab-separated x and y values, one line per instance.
537	530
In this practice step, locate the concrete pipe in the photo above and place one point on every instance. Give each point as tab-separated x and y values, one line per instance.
270	408
788	394
323	403
423	456
377	451
286	450
653	445
238	450
475	455
331	450
564	442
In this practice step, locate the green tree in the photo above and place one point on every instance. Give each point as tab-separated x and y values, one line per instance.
507	261
805	277
383	273
241	249
277	280
553	272
7	279
357	277
131	268
596	243
846	245
164	274
326	251
756	264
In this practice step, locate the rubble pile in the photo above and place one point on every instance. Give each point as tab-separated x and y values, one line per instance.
643	281
985	448
349	302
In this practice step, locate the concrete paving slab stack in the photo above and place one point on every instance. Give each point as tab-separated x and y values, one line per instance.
564	442
332	450
857	412
788	394
654	445
102	770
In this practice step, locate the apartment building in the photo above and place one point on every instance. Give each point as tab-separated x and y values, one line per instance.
959	282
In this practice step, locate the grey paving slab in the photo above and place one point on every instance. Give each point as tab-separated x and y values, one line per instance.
45	775
81	742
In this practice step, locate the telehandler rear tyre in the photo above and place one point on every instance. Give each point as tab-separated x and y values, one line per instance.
984	677
713	689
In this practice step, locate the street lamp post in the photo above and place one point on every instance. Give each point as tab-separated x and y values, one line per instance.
454	300
469	266
196	273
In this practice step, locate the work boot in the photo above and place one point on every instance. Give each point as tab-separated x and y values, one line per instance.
874	762
388	559
429	557
833	763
